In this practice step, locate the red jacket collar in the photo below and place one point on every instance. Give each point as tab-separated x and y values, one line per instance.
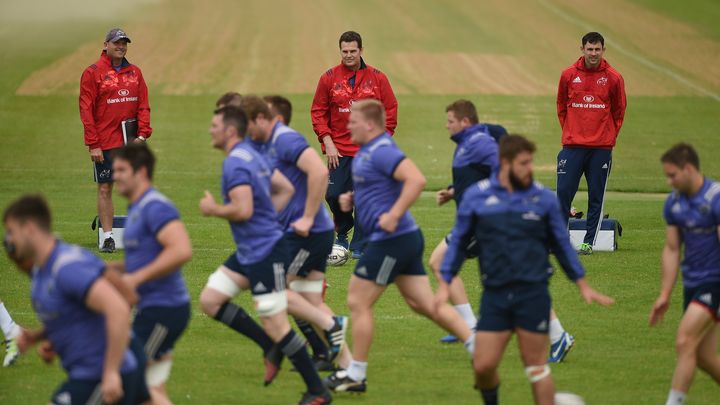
105	59
347	72
580	65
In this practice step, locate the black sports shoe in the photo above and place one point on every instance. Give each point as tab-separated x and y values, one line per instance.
321	363
108	246
273	359
339	381
336	336
315	399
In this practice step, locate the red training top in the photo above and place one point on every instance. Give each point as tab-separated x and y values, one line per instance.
108	97
591	105
334	95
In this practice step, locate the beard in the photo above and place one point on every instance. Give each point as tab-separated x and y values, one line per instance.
517	183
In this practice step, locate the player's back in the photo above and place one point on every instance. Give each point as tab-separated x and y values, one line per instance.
475	158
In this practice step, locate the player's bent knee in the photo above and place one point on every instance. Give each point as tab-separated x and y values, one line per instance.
307	286
537	373
271	303
221	282
483	369
158	373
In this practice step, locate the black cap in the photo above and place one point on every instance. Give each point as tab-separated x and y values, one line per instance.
115	35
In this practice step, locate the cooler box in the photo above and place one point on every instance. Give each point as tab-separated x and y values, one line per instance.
118	231
606	240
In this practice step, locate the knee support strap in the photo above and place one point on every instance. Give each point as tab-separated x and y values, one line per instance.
221	282
307	286
537	373
158	373
271	303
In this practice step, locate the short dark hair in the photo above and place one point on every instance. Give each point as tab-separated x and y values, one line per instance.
254	106
30	207
593	38
512	145
350	36
234	117
281	106
463	109
230	98
138	155
681	154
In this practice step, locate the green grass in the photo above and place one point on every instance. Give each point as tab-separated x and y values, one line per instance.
617	360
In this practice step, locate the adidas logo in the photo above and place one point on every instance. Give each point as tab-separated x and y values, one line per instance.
706	299
542	326
577	79
361	271
605	166
492	200
260	287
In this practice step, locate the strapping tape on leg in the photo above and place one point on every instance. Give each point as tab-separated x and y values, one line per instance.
271	303
158	373
537	373
307	286
221	282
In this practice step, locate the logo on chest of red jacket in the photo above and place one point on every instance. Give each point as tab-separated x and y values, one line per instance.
123	92
602	81
588	99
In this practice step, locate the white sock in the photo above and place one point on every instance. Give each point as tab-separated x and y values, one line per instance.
676	398
357	370
107	234
465	310
8	326
470	344
556	330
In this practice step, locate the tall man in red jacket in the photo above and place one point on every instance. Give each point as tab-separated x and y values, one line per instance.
111	91
591	107
338	88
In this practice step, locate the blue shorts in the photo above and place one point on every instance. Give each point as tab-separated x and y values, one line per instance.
87	392
158	328
523	305
383	260
707	295
265	276
470	249
308	254
103	171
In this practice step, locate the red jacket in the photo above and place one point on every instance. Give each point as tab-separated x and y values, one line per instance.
334	95
107	98
591	105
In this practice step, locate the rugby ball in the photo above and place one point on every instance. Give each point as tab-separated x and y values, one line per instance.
568	398
338	256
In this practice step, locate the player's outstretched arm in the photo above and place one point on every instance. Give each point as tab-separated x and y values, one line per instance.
670	265
413	184
590	295
177	251
103	298
240	208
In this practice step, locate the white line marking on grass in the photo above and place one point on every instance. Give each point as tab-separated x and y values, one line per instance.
632	55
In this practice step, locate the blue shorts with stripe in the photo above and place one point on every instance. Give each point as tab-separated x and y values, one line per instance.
308	254
158	328
383	260
88	392
268	274
102	172
707	296
470	249
521	305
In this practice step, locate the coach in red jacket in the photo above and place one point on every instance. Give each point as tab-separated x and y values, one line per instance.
338	88
111	91
591	107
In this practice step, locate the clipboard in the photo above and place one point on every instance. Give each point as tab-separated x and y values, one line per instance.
129	130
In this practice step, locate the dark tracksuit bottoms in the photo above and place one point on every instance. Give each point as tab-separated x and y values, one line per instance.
339	182
595	164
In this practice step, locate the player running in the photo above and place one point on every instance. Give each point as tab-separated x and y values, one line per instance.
514	221
156	246
85	319
692	213
252	194
386	185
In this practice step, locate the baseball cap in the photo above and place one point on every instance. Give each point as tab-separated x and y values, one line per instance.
115	35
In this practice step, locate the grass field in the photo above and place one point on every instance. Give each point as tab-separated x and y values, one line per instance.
504	55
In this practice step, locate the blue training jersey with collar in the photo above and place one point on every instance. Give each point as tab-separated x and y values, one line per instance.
475	158
514	233
697	217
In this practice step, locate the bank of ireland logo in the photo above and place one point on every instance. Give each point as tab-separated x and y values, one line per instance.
602	81
588	99
123	92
